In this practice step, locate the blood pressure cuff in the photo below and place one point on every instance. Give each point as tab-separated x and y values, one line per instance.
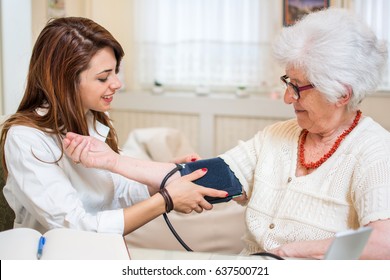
219	176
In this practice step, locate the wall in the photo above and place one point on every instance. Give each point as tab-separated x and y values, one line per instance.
214	124
15	51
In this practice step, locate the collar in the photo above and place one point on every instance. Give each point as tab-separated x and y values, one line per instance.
101	131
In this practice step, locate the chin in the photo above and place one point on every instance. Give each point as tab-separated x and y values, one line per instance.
302	124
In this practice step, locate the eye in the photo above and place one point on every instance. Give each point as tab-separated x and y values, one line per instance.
103	80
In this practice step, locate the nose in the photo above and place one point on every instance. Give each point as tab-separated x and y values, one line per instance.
288	97
116	83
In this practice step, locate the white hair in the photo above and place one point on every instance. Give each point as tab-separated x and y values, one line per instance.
336	50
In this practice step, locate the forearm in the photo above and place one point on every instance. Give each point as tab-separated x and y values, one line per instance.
143	212
146	172
378	245
313	249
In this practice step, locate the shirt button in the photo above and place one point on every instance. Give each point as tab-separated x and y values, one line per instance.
271	226
289	179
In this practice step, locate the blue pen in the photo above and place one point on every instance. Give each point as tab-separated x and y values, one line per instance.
41	243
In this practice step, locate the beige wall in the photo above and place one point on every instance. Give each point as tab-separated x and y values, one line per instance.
112	14
212	127
216	125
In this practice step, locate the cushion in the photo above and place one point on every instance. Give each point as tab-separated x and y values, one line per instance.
218	230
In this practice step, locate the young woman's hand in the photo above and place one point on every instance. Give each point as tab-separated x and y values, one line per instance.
188	197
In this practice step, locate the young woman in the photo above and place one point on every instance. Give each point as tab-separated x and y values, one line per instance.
71	83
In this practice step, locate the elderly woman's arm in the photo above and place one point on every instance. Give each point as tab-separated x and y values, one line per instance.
377	248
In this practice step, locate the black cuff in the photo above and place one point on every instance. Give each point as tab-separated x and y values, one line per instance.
219	176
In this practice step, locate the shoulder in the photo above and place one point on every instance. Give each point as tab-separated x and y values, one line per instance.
26	132
370	143
372	134
283	129
28	138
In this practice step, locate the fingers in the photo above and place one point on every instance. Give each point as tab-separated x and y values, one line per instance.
242	199
192	157
84	150
196	195
198	209
188	158
71	135
74	146
65	143
195	175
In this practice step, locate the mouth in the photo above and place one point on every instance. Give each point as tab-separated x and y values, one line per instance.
297	111
108	98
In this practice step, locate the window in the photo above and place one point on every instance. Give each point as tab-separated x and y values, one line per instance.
222	44
376	14
213	43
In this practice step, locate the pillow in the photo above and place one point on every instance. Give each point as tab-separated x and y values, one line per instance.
218	230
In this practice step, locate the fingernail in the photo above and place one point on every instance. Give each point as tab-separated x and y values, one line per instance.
227	194
193	159
204	169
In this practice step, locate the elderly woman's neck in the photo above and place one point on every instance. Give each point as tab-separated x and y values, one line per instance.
336	127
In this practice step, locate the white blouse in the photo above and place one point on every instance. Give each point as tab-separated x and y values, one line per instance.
46	191
351	189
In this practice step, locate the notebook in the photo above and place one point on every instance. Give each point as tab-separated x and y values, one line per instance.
348	245
61	244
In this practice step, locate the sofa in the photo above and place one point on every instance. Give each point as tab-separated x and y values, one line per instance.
218	230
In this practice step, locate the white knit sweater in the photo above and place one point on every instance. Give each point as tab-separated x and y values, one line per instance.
351	189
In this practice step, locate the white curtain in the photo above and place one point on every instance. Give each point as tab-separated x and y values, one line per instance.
222	43
377	14
214	43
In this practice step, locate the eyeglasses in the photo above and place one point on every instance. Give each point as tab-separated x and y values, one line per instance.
296	92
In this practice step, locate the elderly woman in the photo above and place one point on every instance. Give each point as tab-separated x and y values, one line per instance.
324	172
328	170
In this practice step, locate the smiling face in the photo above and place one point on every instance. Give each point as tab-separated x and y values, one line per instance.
99	82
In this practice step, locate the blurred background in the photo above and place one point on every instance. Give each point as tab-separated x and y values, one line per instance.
202	67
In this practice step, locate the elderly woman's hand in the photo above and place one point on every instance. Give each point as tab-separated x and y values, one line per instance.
242	199
187	158
89	151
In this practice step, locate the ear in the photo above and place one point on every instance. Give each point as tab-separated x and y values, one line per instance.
346	97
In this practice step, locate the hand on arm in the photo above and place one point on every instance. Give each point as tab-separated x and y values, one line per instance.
92	152
186	196
89	151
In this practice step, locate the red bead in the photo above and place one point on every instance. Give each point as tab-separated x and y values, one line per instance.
340	138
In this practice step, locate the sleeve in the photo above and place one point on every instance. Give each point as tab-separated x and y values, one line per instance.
128	192
40	187
242	160
372	192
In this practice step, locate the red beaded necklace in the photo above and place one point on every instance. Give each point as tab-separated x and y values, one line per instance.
314	165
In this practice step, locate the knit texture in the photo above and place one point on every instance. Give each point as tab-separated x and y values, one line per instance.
351	189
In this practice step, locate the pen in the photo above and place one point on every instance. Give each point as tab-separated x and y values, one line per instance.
41	243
